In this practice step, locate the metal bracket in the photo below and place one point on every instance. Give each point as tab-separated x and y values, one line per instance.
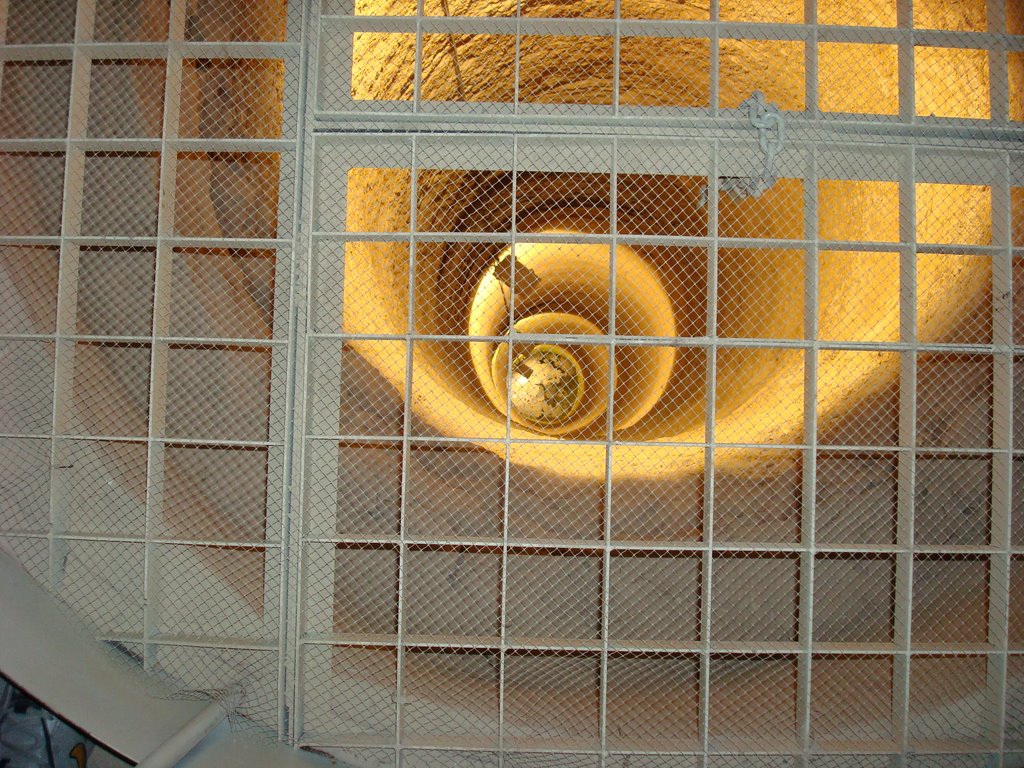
770	126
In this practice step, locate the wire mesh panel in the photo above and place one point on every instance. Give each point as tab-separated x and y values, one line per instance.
704	534
146	358
529	384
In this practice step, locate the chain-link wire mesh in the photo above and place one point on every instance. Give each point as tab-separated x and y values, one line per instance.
588	410
145	358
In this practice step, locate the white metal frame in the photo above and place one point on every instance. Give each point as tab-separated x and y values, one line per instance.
326	132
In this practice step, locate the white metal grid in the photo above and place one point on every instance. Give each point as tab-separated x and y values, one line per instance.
395	582
140	259
625	49
754	565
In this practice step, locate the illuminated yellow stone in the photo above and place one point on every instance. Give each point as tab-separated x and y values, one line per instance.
462	391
